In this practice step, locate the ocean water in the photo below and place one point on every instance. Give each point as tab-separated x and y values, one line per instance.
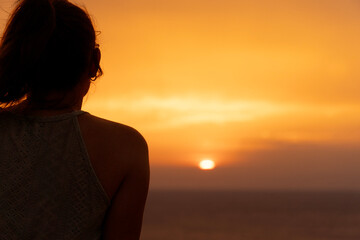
226	215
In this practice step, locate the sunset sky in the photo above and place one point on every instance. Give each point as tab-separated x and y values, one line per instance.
269	90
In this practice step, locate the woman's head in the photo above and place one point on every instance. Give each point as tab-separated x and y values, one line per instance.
48	46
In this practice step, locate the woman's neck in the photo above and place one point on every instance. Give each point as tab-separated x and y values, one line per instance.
54	102
47	108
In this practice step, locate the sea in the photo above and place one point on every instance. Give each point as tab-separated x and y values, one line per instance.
251	215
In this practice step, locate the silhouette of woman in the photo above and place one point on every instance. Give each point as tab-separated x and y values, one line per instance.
64	173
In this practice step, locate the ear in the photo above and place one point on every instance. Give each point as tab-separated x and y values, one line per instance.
95	62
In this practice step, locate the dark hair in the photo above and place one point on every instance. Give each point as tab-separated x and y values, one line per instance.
48	45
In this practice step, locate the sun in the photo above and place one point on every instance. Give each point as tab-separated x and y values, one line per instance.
207	164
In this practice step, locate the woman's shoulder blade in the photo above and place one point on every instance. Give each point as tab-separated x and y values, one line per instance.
110	128
114	149
118	140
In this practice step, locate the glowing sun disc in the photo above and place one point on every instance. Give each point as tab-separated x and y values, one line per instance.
207	164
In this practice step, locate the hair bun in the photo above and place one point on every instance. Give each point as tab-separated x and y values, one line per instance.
47	45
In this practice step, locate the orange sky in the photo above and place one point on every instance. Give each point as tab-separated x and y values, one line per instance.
268	89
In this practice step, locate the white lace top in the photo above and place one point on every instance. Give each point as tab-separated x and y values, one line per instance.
48	188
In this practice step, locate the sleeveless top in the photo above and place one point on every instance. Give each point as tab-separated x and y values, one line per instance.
48	188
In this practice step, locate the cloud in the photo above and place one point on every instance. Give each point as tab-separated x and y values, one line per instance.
177	111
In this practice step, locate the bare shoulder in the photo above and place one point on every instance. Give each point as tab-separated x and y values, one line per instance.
114	130
119	141
116	151
130	153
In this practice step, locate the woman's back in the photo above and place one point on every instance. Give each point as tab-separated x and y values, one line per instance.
47	181
51	189
65	174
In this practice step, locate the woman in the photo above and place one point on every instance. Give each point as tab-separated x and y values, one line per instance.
64	173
